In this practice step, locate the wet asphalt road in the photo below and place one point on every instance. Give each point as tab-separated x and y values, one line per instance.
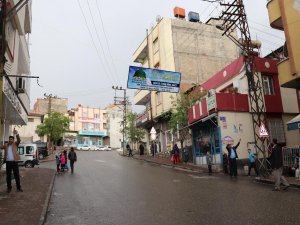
112	190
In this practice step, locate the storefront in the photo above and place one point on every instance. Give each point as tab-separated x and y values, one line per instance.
90	138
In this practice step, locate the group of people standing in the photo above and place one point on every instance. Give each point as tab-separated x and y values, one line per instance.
62	158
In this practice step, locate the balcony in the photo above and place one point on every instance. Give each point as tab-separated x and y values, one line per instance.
141	53
285	76
141	97
143	118
273	7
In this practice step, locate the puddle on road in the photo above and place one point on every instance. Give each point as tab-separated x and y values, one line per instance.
202	177
98	160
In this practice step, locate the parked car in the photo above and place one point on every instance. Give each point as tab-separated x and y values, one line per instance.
42	149
107	148
28	154
84	148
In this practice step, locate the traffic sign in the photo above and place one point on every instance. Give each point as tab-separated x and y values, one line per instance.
263	131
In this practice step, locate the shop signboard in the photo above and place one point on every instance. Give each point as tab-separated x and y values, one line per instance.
153	79
211	102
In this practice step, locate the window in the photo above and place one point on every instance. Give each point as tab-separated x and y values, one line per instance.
29	150
84	114
85	126
97	126
268	85
21	150
158	98
276	130
155	45
96	115
30	120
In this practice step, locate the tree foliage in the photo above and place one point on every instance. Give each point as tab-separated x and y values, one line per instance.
179	114
55	125
133	133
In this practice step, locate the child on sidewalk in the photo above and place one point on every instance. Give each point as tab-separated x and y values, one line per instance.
57	161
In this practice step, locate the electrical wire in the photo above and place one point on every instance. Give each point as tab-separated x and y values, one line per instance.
99	41
106	41
90	33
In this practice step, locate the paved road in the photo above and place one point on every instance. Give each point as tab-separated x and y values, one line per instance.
113	190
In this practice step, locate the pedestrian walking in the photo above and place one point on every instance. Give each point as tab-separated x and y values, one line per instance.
141	148
11	158
175	154
209	162
232	155
73	158
153	148
252	163
225	163
66	158
57	161
276	161
129	150
62	161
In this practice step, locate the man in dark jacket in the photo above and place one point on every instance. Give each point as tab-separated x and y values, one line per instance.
11	157
232	156
276	161
73	158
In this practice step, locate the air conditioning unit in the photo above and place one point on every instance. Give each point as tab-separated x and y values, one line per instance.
20	85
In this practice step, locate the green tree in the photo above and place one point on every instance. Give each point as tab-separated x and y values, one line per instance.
55	125
178	119
133	133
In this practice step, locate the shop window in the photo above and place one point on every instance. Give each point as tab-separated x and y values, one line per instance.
268	85
276	130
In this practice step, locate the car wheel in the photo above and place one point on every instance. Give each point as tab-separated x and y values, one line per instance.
41	156
29	164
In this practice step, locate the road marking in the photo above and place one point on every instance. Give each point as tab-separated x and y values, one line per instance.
98	160
202	177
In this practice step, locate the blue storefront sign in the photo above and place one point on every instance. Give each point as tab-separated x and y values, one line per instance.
92	133
153	80
294	124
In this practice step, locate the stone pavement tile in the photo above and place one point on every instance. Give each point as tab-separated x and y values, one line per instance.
28	207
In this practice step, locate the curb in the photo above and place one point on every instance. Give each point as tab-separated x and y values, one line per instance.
47	201
171	166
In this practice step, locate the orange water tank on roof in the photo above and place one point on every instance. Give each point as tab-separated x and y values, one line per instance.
179	12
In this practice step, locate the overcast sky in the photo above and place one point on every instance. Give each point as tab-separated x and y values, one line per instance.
80	48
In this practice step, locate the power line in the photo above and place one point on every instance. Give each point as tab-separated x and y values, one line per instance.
90	33
99	40
106	40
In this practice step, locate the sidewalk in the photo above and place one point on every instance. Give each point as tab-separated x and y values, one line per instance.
28	207
203	169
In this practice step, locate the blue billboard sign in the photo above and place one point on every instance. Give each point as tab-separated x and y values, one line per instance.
153	80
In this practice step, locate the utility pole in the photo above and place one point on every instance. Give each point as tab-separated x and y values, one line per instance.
121	101
234	17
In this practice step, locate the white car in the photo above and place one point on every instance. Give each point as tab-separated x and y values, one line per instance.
84	148
107	148
101	148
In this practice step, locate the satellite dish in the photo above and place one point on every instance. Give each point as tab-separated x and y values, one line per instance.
158	18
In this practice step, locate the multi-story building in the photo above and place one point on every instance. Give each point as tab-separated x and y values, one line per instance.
285	15
15	87
196	50
223	116
89	123
45	105
27	133
114	118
